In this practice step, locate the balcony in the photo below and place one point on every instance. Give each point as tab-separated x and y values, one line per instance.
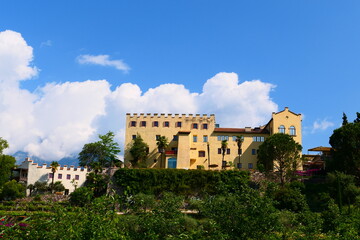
172	152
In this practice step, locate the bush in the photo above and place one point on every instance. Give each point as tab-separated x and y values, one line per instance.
81	196
12	190
180	182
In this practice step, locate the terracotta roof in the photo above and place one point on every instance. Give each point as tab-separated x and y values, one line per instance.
241	130
320	149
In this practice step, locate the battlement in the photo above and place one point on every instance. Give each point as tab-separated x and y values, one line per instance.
136	116
31	163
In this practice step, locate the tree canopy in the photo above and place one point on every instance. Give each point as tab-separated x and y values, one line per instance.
100	154
139	150
346	144
279	152
3	145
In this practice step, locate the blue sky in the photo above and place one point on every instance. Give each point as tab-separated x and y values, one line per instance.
173	56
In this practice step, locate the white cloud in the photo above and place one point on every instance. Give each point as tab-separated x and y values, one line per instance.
103	60
47	43
56	120
15	59
322	125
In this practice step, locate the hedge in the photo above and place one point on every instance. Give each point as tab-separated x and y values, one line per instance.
179	181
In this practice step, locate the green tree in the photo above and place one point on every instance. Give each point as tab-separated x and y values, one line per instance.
239	142
57	187
139	150
3	145
54	167
342	188
224	145
162	143
357	120
103	153
280	152
7	163
12	190
345	120
346	144
81	196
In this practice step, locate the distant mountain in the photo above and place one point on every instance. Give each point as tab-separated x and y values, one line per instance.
20	157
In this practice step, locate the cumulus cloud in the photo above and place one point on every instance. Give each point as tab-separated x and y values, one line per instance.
15	58
322	125
103	60
57	119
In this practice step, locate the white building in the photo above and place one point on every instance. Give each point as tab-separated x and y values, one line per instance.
71	177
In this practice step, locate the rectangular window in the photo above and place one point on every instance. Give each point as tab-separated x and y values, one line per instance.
51	175
239	165
178	124
219	150
205	126
234	138
166	124
155	124
239	151
201	153
68	176
195	126
221	138
228	151
143	123
205	138
250	166
175	137
195	138
76	177
133	123
258	139
59	176
157	137
253	151
133	137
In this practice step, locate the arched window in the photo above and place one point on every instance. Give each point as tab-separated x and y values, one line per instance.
281	129
292	130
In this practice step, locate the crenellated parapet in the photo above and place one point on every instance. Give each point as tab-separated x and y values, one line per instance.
164	116
28	162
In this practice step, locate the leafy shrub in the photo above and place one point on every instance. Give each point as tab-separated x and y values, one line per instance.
180	182
81	196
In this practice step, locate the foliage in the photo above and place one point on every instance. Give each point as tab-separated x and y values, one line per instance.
57	187
345	120
178	181
12	190
41	187
81	196
242	216
290	199
100	154
7	163
97	183
224	145
342	188
3	145
162	143
280	152
139	150
346	144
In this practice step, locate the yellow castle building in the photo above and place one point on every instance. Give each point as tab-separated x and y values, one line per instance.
195	140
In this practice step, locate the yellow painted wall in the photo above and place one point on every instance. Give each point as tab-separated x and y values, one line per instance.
188	151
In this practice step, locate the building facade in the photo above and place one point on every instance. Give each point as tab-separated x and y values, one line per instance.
195	140
71	177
